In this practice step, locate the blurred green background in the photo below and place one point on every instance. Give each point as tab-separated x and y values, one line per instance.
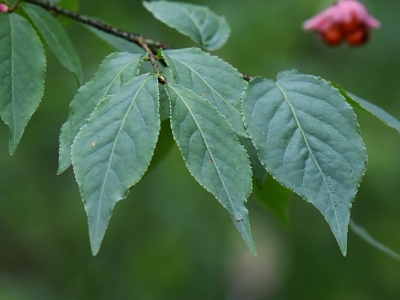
170	239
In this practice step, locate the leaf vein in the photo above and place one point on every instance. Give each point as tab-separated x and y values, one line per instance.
312	154
113	153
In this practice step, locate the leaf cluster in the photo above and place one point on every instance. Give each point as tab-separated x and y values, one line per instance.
298	133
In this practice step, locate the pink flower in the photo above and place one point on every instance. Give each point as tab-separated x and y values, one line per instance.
3	8
344	20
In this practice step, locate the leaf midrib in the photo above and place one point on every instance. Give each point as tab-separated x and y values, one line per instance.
116	76
12	79
112	153
212	158
197	26
208	85
311	152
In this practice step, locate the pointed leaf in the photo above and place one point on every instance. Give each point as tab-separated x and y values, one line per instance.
56	37
22	70
308	139
113	150
370	108
197	22
115	70
211	78
212	154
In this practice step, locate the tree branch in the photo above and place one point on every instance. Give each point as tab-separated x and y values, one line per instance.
131	37
150	46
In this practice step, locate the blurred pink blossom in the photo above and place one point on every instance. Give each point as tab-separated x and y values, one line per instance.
3	8
344	20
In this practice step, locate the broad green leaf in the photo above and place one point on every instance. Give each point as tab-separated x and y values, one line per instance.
114	71
211	78
22	70
113	150
274	197
212	154
197	22
363	234
118	43
259	172
308	139
56	37
370	108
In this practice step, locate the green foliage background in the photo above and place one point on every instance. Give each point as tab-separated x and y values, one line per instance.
170	239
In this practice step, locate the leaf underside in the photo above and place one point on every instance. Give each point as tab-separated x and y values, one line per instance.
22	71
211	78
197	22
212	154
114	71
113	150
308	139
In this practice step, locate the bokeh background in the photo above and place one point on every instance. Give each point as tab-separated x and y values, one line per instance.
170	239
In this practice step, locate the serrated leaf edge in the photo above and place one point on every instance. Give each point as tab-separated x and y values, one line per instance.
94	250
14	143
247	156
344	248
83	87
211	88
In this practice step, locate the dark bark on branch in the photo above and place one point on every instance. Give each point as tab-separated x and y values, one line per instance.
150	46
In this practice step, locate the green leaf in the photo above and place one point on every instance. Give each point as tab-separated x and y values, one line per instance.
363	234
113	150
370	108
22	71
308	139
197	22
212	154
273	196
118	43
212	78
56	37
114	71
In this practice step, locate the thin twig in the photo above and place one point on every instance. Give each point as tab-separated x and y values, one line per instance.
132	37
150	46
153	59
